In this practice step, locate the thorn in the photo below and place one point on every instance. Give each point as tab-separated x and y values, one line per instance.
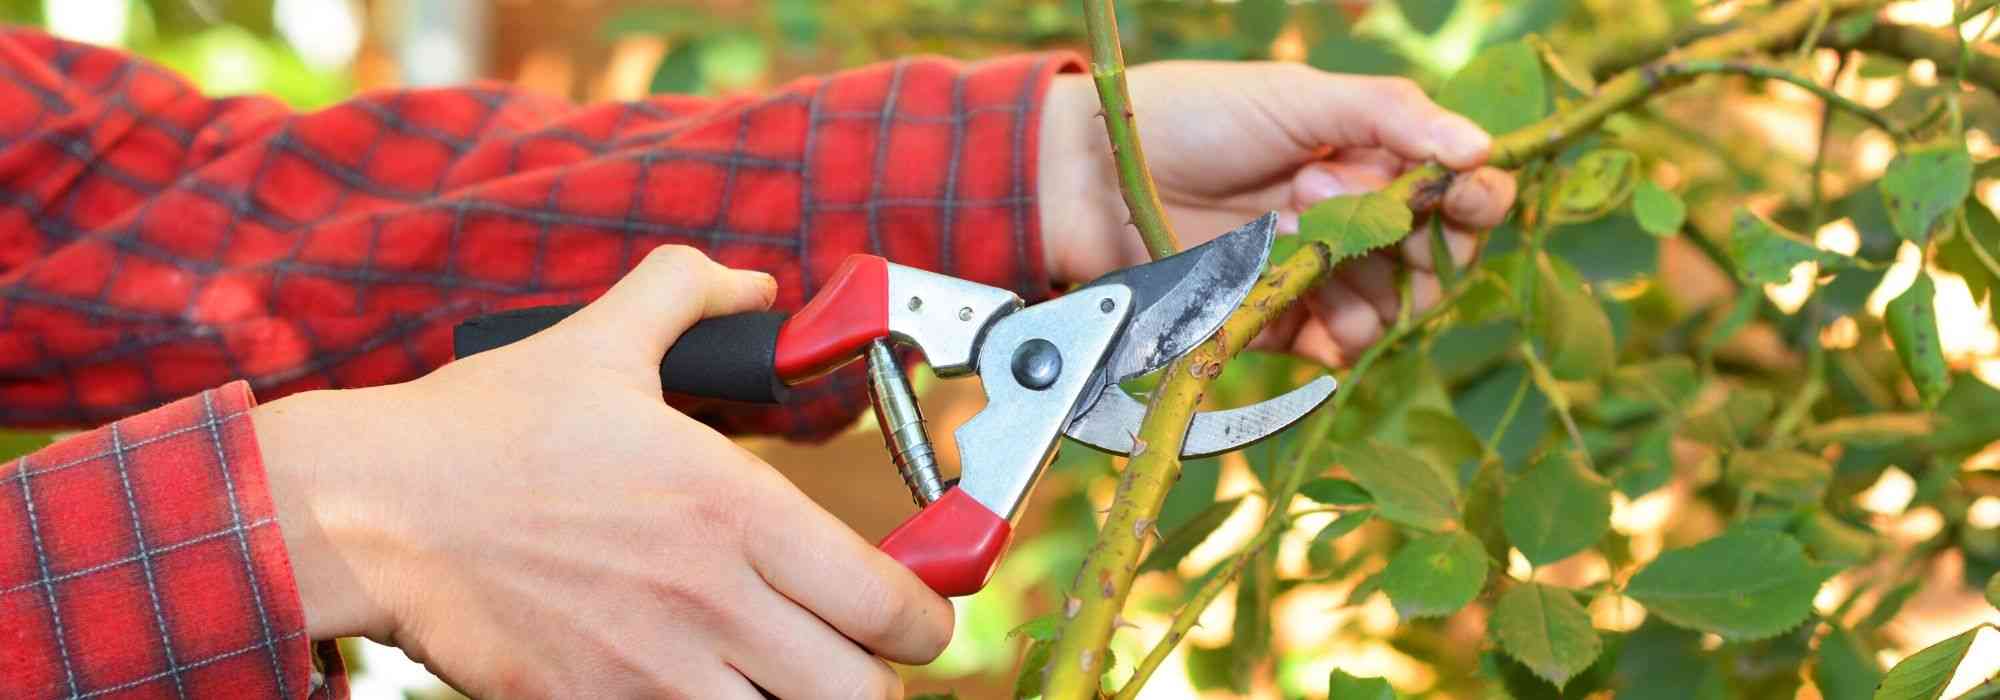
1138	447
1086	659
1156	532
1071	607
1105	585
1118	621
1141	526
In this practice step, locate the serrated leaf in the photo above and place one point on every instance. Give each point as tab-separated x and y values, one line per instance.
1844	668
1408	489
1766	253
1040	629
1924	675
1569	322
1335	492
1598	182
1341	686
1557	509
1922	185
1353	224
1790	475
1744	585
1660	212
1175	545
1435	575
1545	629
1872	430
1501	90
1913	328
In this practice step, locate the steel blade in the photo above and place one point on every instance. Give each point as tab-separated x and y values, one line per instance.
1112	423
1180	300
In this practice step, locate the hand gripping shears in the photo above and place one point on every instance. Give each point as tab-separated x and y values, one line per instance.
1049	370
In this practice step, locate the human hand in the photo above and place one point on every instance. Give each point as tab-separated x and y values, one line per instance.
1229	141
535	521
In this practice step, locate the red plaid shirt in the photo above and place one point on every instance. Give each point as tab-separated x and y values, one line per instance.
155	242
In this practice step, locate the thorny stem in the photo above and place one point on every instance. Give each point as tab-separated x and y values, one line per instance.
1297	463
1097	595
1135	180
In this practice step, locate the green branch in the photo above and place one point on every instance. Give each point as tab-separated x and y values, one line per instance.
1135	180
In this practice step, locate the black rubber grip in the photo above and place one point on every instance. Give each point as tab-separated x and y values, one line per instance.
726	357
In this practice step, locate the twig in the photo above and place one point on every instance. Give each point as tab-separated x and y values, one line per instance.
1135	180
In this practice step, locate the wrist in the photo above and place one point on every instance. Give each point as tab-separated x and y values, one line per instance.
334	538
1076	190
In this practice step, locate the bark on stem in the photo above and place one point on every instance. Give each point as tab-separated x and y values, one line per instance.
1135	180
1098	593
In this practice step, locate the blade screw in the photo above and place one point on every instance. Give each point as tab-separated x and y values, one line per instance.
1106	305
965	313
1037	363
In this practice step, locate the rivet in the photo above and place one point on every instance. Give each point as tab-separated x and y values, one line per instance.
965	313
1106	305
916	303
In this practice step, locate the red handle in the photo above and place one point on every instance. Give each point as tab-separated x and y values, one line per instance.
952	544
838	323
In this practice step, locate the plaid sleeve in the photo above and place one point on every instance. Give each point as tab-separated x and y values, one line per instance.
143	559
159	242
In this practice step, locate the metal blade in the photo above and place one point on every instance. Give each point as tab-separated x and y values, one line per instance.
1180	300
1113	422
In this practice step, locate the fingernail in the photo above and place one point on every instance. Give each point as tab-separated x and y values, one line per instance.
1315	183
1288	222
1461	142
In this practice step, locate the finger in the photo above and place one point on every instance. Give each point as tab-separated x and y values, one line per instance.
1350	322
1317	182
1373	278
1479	200
1416	248
1424	291
784	635
1314	342
1347	111
815	560
669	290
726	682
1382	160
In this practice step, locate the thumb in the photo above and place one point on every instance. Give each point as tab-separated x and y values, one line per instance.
671	289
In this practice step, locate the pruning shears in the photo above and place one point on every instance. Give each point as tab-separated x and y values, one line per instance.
1049	370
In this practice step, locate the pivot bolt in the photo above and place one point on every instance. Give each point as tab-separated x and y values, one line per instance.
1037	364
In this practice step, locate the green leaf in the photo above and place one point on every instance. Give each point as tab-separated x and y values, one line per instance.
1732	421
1967	253
1744	585
1598	182
1501	90
1791	475
1346	53
1283	247
1408	489
1544	628
680	72
1925	674
1341	686
1441	437
1922	185
1193	493
1040	629
1319	552
1831	540
1766	253
1573	327
1259	21
1427	16
1353	224
1660	212
1335	492
1993	590
1740	312
1667	382
1913	328
1844	668
1872	430
1174	546
1435	575
1661	662
1034	663
1557	509
1650	465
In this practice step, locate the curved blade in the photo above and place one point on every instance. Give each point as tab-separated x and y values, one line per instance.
1111	424
1180	300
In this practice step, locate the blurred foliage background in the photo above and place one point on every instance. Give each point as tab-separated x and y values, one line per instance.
1917	511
